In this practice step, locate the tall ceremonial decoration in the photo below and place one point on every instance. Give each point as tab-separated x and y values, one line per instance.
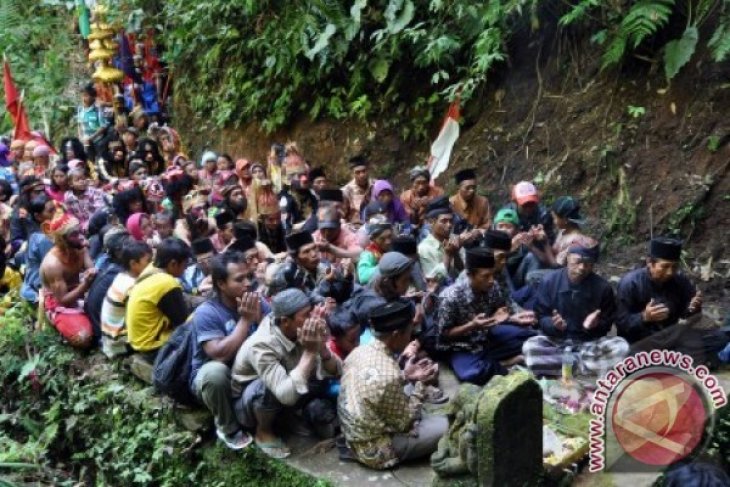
102	48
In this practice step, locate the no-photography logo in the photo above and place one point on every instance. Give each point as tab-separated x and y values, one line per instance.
651	411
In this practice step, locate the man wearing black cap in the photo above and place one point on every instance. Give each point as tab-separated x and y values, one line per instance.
332	197
500	243
651	301
195	280
471	207
318	179
473	323
334	241
576	309
382	425
358	190
439	249
304	269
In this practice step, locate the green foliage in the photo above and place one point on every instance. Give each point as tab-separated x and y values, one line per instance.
39	43
273	61
89	415
719	43
713	143
719	446
689	212
677	53
619	213
625	27
636	112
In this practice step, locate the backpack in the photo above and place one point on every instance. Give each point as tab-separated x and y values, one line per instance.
171	372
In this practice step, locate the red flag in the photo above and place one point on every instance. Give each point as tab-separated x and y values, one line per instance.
444	143
14	106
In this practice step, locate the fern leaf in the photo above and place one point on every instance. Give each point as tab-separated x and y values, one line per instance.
615	52
720	41
644	19
578	11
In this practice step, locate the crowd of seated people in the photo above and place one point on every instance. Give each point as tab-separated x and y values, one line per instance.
336	306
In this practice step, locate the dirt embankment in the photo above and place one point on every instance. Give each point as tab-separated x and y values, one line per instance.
642	155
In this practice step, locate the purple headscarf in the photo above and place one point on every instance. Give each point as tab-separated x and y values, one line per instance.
4	151
395	211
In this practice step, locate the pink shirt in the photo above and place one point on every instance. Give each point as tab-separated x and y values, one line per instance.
346	240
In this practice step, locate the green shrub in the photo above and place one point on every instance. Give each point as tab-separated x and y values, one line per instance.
79	418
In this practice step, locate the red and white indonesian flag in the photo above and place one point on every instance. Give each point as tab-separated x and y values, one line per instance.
444	143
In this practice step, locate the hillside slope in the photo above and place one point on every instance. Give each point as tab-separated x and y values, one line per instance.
643	156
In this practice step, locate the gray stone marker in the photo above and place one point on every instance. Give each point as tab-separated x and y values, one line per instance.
496	443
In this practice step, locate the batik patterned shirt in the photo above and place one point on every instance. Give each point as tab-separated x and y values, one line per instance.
372	405
458	304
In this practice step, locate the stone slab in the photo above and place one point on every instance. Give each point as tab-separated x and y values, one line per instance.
323	463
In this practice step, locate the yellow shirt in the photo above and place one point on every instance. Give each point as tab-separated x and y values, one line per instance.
147	327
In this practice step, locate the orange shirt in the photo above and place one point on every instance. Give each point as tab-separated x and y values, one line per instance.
412	207
477	213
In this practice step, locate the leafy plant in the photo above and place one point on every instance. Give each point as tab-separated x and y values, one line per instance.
636	112
61	407
273	61
689	212
713	143
625	27
39	45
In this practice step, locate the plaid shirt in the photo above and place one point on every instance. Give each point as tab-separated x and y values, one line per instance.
457	305
372	405
83	207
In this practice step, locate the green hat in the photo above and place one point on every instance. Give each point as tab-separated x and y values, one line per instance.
507	215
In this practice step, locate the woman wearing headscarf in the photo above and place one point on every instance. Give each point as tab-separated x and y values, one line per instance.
258	172
139	226
208	169
381	238
394	211
243	171
6	168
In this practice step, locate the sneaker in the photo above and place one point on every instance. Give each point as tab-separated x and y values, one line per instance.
236	441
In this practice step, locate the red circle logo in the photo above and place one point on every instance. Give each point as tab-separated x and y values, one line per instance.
659	418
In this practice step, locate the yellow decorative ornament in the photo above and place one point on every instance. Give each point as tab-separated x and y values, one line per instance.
100	34
100	54
107	74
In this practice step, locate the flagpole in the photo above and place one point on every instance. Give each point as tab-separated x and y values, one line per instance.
17	114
